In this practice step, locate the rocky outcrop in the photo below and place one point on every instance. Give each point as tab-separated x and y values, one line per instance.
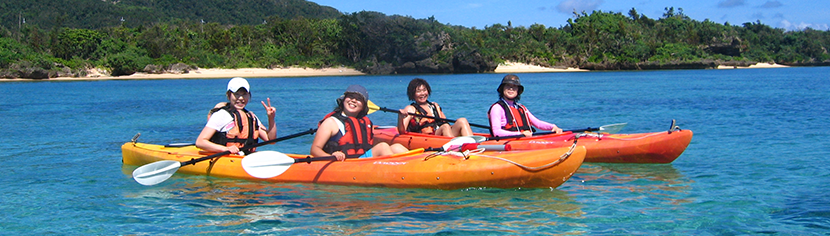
181	68
27	70
433	53
461	62
672	65
178	68
807	63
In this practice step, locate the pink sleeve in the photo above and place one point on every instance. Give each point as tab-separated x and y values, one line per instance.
539	124
498	120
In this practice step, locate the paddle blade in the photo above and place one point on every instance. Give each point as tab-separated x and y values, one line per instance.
372	107
612	128
266	164
156	172
458	141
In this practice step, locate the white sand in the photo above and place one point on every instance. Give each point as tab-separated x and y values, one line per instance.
516	67
757	65
507	67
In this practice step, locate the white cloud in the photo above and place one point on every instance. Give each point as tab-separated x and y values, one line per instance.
801	26
731	3
570	6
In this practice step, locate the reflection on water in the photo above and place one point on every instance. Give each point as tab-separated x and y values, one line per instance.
659	181
207	204
258	207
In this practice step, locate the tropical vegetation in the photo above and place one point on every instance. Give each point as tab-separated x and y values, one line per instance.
279	33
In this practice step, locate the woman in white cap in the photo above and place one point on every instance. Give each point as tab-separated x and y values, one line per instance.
508	117
347	130
231	127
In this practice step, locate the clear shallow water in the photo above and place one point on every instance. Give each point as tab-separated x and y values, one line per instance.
759	162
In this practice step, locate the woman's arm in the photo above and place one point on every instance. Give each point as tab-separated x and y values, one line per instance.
404	118
216	121
536	122
271	132
541	124
325	131
498	120
440	112
203	142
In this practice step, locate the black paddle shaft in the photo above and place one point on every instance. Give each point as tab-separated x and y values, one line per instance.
433	117
543	133
194	161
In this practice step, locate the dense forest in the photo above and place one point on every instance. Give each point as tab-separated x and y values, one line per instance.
67	37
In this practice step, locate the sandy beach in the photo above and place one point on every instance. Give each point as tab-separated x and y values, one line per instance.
515	67
228	73
757	65
507	67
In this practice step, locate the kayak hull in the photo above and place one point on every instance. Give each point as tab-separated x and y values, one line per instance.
655	147
544	168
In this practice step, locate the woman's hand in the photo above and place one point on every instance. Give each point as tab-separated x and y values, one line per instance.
233	149
271	111
556	130
527	133
402	113
339	155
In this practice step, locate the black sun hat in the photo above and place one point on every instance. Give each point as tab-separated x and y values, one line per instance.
510	79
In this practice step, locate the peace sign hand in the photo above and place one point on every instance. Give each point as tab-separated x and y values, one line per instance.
271	111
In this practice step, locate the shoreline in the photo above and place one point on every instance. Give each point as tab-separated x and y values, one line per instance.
757	65
506	67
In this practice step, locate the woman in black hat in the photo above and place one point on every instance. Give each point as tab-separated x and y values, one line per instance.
508	117
347	130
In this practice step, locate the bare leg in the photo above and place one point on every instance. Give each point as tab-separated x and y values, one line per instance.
444	130
462	127
398	148
381	149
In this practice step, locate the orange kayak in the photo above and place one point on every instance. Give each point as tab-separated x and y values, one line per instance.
656	147
541	168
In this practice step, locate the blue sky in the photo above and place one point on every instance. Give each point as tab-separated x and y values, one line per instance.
790	15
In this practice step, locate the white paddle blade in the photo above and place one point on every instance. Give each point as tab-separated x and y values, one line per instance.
479	139
156	172
458	141
612	128
266	164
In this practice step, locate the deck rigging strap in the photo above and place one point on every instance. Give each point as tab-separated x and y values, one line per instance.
466	155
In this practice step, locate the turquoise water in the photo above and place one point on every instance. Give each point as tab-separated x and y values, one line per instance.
758	163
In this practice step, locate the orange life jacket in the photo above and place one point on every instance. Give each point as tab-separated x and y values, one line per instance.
423	124
357	139
510	113
240	135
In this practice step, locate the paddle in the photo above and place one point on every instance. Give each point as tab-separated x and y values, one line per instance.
267	164
612	128
157	172
373	107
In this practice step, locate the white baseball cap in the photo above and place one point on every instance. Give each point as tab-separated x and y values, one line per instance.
238	82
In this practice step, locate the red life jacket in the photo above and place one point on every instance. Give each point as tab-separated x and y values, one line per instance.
423	124
358	136
240	135
510	113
